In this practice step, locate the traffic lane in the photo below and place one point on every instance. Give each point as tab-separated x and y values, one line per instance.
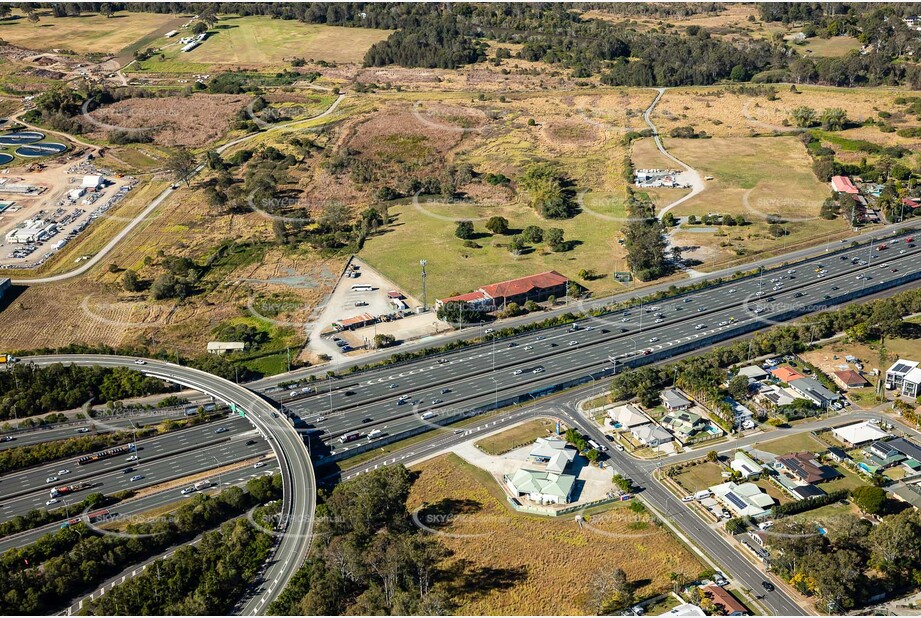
36	478
140	505
150	473
299	498
414	376
97	425
665	336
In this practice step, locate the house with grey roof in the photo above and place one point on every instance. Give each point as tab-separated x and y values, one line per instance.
628	416
553	452
814	391
753	372
745	465
883	454
674	400
651	435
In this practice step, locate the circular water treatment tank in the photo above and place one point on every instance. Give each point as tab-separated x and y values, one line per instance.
41	150
5	158
21	137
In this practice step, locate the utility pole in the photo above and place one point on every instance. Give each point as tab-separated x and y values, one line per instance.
423	263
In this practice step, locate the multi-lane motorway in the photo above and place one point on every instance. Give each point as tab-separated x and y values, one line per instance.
294	462
456	382
504	370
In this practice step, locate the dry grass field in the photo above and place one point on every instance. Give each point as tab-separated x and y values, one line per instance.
754	177
89	32
834	47
526	565
193	121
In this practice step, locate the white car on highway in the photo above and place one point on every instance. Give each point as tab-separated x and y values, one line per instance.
259	464
63	472
51	479
50	502
653	339
136	477
140	362
517	372
131	458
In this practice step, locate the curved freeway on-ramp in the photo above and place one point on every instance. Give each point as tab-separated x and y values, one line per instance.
299	502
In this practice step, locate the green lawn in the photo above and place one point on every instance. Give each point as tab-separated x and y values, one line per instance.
701	476
833	47
426	232
88	32
792	444
258	40
849	480
515	437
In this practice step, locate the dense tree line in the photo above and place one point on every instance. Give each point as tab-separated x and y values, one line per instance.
853	560
204	579
26	389
36	518
368	558
66	568
644	240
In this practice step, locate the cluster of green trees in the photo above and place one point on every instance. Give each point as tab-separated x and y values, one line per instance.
67	566
369	558
204	579
26	389
644	240
549	191
578	440
853	560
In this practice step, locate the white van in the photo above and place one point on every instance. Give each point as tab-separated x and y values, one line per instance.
703	494
429	415
374	433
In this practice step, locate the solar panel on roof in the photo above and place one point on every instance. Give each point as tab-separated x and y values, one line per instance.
737	501
901	368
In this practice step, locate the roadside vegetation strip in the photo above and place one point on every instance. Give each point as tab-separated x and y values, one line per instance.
36	518
22	457
59	573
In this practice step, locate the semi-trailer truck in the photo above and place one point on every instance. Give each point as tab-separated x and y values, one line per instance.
69	489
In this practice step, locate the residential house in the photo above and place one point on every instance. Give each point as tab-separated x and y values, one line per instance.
222	347
753	372
895	375
628	416
911	383
859	433
553	452
814	391
804	467
745	465
804	492
908	493
843	184
786	374
882	455
674	400
906	447
684	424
727	604
743	500
651	435
685	609
838	454
849	379
542	486
776	395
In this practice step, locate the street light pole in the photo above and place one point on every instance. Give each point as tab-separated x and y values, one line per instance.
423	263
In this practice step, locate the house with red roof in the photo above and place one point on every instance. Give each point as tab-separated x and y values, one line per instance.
843	184
786	374
494	296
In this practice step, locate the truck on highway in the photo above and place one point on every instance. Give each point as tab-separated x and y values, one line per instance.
426	416
374	433
93	517
200	485
350	437
69	489
112	452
